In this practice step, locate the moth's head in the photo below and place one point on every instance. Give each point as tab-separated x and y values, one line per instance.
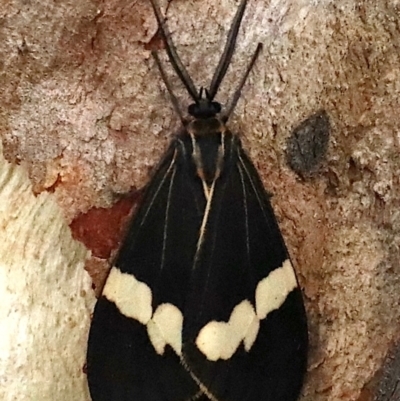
204	107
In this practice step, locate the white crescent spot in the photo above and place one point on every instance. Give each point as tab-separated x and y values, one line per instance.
165	327
272	291
220	340
132	297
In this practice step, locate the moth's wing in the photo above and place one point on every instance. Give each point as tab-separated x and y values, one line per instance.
122	362
243	250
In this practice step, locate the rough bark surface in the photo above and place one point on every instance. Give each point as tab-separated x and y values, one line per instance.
84	110
45	296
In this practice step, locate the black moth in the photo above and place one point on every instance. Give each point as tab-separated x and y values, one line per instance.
202	303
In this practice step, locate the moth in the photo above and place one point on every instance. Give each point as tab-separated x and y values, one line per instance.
202	302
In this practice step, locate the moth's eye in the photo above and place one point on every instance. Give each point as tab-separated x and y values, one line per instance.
192	109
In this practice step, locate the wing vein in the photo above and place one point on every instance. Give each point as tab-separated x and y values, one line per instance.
151	203
261	203
204	222
245	211
165	233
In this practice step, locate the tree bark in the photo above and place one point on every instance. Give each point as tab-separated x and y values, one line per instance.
85	113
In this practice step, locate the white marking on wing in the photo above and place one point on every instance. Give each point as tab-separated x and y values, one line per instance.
133	298
220	340
273	290
216	340
165	327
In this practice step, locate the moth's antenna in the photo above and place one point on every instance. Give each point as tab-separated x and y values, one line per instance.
164	77
172	54
238	91
228	51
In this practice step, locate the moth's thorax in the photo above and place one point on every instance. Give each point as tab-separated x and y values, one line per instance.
208	147
205	126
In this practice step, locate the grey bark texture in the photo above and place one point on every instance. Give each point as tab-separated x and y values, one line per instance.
86	115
